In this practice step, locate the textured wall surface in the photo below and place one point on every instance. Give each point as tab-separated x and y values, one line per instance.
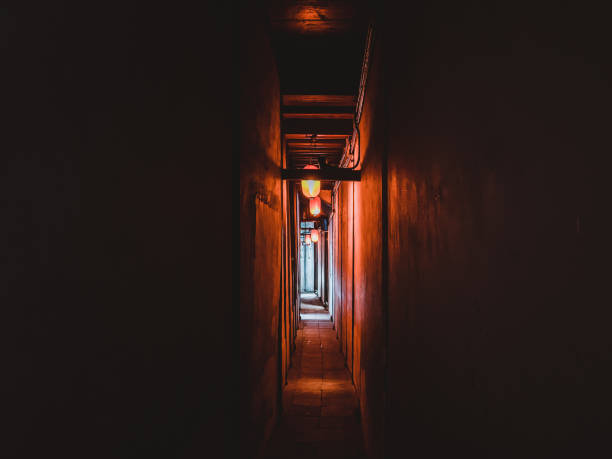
479	266
358	267
496	132
260	235
116	237
369	261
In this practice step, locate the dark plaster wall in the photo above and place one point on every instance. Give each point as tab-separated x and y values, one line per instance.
116	231
260	234
335	224
369	351
497	120
359	264
345	270
480	233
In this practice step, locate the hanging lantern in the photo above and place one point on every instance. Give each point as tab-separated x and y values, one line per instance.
315	206
311	188
307	239
314	235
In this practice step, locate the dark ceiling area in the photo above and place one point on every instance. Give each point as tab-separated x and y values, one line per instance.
319	48
319	45
327	64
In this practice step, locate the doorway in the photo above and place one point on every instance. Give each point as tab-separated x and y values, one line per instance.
307	268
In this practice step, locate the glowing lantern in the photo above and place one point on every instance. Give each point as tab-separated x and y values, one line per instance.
307	239
311	188
314	235
315	206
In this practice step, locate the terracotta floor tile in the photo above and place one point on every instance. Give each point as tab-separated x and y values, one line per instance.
337	375
299	410
338	410
320	409
346	423
308	399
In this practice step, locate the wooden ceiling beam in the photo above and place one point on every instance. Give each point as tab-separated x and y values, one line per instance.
320	137
319	99
306	159
309	159
316	146
331	173
313	153
303	162
299	10
318	109
318	116
315	16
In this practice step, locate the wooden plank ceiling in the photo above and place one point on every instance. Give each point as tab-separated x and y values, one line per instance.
314	129
315	16
319	48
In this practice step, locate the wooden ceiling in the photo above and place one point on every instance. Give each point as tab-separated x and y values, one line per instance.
319	44
316	127
319	48
316	17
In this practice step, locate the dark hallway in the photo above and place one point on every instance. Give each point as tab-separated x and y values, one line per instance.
321	414
306	228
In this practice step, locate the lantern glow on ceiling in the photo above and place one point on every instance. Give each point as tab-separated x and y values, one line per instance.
311	188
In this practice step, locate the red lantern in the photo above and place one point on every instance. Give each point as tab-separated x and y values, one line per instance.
307	239
311	188
314	235
315	206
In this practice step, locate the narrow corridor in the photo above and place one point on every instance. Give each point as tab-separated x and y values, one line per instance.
320	410
306	229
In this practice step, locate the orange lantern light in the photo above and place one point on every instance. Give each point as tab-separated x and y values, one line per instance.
307	239
315	206
314	235
311	188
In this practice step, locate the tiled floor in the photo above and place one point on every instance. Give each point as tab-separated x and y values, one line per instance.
320	412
